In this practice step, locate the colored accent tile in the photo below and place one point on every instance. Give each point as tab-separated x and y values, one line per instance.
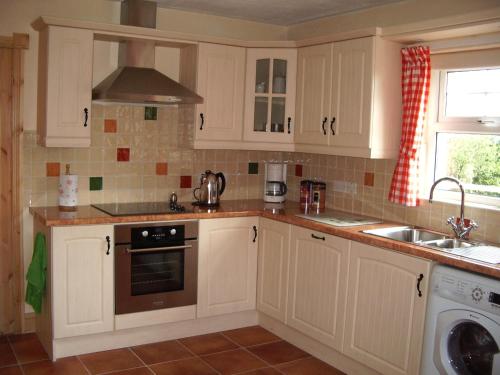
95	183
298	170
150	113
253	168
53	169
161	169
123	154
110	126
185	181
369	178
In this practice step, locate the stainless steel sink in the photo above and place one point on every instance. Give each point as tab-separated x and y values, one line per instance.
449	243
407	234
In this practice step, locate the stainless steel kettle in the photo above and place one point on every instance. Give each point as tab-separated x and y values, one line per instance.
212	186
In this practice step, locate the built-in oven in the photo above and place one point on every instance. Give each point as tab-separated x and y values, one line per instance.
156	265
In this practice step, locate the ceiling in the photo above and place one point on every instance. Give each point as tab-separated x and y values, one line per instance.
278	12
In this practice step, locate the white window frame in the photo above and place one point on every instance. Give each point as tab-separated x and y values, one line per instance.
438	122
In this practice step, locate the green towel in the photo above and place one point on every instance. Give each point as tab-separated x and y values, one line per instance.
36	275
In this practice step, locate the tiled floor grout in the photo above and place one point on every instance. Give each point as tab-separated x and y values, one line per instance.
140	359
197	356
15	355
83	364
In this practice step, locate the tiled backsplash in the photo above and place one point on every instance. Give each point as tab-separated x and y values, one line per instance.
133	159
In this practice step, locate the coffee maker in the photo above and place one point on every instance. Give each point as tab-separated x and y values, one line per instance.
275	182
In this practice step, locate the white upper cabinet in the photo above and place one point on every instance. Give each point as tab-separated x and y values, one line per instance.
64	87
270	95
349	98
221	79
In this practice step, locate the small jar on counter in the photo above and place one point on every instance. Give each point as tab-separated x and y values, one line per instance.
318	196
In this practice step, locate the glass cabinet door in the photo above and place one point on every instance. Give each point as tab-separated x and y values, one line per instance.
270	101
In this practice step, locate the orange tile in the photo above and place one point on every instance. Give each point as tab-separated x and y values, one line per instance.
27	348
369	178
110	126
6	354
53	169
191	366
208	344
111	360
13	370
69	365
122	154
161	169
309	366
249	336
161	352
298	170
234	361
278	352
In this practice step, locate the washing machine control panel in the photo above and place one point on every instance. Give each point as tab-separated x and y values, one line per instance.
468	292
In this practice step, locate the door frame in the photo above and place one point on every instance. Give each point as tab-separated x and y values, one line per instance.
12	280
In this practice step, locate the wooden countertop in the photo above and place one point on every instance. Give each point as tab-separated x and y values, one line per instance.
88	215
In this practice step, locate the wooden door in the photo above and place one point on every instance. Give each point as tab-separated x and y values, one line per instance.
352	86
270	95
318	285
221	79
272	275
11	275
82	280
313	94
227	265
65	86
385	315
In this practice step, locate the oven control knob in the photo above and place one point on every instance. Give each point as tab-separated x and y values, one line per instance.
145	233
173	232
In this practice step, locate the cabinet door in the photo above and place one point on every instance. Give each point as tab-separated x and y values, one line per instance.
318	285
227	265
82	280
65	91
385	322
270	95
313	94
352	77
272	275
221	77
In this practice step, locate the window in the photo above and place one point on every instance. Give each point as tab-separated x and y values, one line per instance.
465	137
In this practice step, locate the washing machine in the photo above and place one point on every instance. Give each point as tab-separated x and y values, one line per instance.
462	329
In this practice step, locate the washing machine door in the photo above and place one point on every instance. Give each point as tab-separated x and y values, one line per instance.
467	343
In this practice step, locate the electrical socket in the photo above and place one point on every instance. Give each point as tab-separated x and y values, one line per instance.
344	186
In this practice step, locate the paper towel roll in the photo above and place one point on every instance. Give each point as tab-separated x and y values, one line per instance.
68	192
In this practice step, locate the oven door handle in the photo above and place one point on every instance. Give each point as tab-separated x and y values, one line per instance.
151	249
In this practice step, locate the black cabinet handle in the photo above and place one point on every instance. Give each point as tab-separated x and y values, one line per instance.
289	121
202	121
331	125
419	280
323	125
317	237
86	116
254	233
108	240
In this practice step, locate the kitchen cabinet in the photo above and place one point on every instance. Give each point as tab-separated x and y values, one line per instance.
272	275
270	95
220	81
349	98
82	280
318	285
227	265
385	314
64	87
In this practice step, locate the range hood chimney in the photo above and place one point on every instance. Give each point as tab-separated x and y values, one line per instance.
136	81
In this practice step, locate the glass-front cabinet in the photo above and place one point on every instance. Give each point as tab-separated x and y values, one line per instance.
270	95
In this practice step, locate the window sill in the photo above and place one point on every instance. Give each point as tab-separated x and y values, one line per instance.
456	202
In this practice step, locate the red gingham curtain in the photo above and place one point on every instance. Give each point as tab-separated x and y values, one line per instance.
415	84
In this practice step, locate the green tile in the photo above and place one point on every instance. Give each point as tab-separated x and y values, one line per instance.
253	168
95	183
150	113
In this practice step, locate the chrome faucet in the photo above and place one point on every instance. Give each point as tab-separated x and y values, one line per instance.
460	229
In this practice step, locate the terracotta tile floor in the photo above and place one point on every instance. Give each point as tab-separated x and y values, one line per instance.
249	351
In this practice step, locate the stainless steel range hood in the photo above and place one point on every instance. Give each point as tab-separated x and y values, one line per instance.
136	81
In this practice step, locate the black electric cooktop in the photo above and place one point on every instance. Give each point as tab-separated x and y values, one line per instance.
141	208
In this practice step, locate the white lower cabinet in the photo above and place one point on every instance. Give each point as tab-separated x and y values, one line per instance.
318	285
272	281
385	315
227	265
82	280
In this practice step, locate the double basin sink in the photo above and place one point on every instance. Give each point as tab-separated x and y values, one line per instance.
438	241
